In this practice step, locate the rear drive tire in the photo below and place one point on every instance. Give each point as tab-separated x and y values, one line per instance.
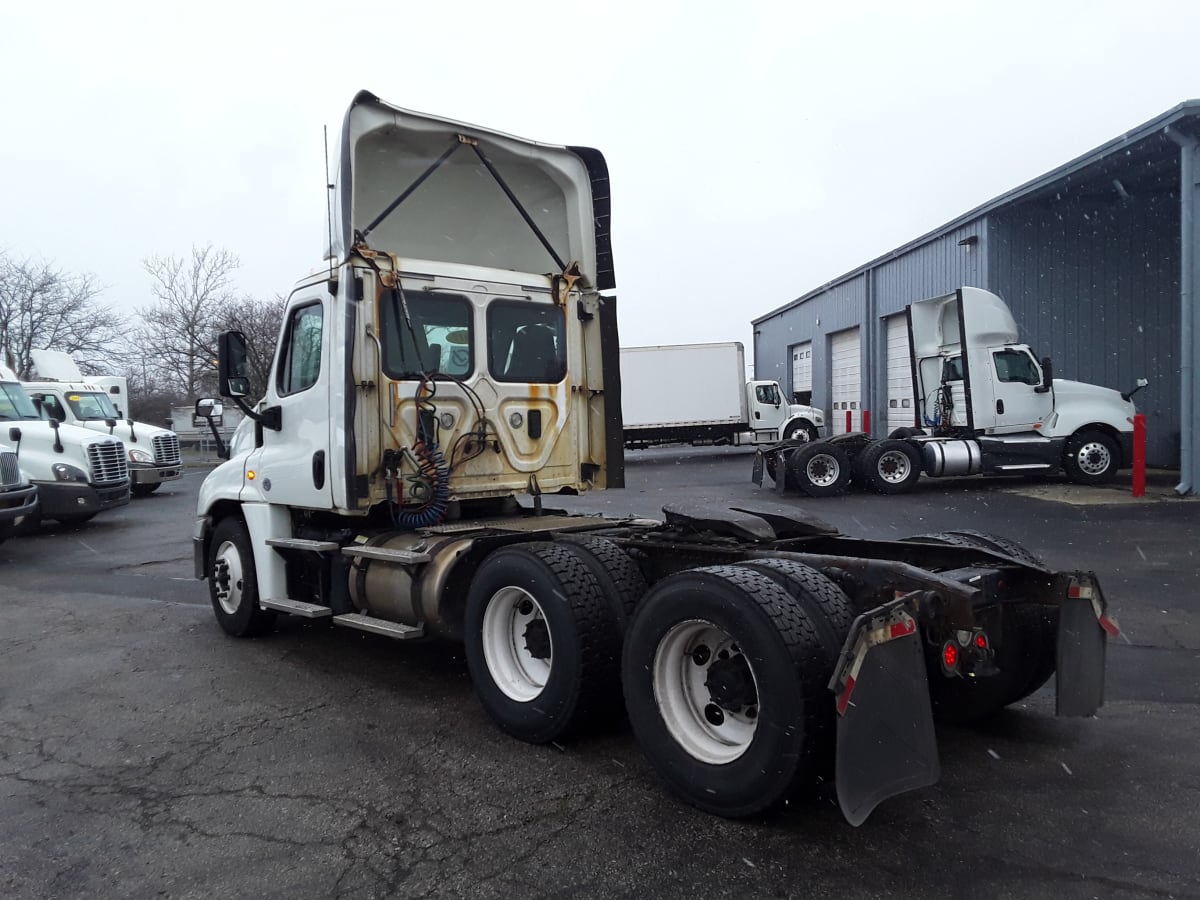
233	581
820	470
620	579
542	643
1091	457
725	680
890	467
1026	649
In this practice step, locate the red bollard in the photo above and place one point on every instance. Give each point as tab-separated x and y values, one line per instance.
1139	455
866	421
849	422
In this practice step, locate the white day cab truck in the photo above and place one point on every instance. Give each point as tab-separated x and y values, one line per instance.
78	473
65	395
415	400
984	405
697	394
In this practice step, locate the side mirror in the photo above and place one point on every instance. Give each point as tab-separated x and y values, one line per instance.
1047	376
208	408
1141	383
233	365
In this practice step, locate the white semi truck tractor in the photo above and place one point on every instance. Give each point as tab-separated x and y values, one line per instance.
66	395
453	363
984	405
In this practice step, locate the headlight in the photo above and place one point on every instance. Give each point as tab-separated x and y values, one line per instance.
138	455
63	472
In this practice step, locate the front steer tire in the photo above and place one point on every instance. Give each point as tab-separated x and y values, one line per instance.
725	680
542	643
233	581
1091	457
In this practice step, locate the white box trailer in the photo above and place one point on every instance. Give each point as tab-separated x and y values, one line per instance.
697	394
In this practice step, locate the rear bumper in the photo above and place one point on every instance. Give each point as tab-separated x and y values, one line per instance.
17	504
154	474
72	499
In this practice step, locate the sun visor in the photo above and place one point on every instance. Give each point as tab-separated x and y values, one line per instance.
428	188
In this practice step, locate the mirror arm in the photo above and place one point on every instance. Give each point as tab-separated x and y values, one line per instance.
271	417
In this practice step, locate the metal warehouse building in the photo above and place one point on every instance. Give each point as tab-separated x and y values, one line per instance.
1098	260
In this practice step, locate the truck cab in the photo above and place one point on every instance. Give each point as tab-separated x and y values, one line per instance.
974	380
771	419
66	396
77	472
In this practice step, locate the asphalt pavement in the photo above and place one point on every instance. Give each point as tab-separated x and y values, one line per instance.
144	753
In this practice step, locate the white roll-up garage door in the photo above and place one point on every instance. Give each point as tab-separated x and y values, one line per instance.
847	381
900	402
802	371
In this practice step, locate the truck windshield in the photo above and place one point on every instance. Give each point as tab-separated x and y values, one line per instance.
91	406
15	403
439	340
526	342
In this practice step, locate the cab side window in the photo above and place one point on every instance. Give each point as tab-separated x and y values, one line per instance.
1016	366
767	393
53	408
300	366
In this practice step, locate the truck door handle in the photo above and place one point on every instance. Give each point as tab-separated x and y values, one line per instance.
318	472
1000	407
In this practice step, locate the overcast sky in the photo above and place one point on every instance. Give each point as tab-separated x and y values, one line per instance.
756	150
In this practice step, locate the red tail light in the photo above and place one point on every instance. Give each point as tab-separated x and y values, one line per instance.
981	641
949	656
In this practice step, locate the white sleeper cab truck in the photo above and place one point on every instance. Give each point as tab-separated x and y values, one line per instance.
64	394
984	405
450	366
18	497
77	472
697	394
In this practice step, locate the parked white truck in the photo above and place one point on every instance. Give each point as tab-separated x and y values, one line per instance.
65	395
697	394
18	496
77	472
413	399
984	404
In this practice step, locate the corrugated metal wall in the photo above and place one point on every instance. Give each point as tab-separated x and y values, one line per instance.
1094	284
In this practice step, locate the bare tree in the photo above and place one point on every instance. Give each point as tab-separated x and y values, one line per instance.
259	321
44	308
191	302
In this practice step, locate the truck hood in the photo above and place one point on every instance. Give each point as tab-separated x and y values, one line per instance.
1081	394
434	189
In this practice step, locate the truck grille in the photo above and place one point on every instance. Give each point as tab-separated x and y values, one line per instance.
107	461
10	472
166	450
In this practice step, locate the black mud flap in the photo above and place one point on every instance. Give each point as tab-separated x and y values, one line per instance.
757	475
1082	639
885	739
